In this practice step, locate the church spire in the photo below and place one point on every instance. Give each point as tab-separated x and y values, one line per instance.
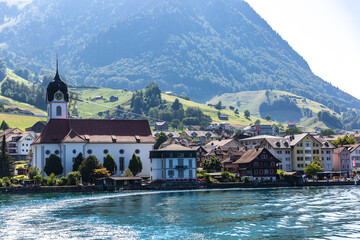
57	77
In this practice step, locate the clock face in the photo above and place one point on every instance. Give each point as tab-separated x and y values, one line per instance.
58	96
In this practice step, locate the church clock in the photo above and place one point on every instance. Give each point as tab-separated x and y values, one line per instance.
58	96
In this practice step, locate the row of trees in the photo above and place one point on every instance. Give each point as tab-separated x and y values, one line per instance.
90	168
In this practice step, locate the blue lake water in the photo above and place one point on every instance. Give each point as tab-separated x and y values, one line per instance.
282	213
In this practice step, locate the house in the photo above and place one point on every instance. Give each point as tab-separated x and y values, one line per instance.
168	134
263	129
38	127
223	117
258	164
19	144
200	156
342	161
327	152
199	137
304	149
256	141
355	156
291	124
66	138
280	148
113	98
161	126
173	163
223	143
98	97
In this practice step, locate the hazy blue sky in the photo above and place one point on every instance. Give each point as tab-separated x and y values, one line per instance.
325	32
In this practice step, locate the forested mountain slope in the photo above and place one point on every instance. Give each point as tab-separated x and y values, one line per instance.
197	48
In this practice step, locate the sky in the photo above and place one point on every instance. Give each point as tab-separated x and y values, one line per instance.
326	33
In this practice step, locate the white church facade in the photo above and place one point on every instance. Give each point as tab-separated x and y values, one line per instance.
66	137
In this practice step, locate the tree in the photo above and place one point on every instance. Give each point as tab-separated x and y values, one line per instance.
33	171
4	126
176	105
218	105
203	126
292	131
127	173
212	165
6	161
110	164
101	173
345	140
87	168
135	165
74	178
77	161
268	117
175	123
2	70
160	139
327	132
314	167
247	113
53	165
257	122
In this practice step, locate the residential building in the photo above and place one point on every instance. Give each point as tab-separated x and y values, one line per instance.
199	137
280	148
342	161
174	162
19	144
355	156
258	164
113	98
263	129
161	126
256	141
327	152
223	143
304	149
200	156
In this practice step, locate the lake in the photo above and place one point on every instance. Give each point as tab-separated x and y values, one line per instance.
277	213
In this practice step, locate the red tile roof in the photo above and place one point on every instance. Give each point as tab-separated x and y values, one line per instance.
96	131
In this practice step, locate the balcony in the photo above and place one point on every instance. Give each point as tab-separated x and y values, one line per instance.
181	167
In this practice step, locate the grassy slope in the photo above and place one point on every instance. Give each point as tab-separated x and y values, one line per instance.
10	74
20	121
90	110
251	100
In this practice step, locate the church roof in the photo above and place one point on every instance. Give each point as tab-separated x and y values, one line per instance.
96	131
56	85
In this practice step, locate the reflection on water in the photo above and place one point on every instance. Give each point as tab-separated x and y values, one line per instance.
329	212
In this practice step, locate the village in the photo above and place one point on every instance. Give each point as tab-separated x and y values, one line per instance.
121	152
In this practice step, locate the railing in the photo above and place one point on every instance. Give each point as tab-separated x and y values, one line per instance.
181	167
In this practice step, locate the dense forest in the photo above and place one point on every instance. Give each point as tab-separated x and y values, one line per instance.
195	48
283	109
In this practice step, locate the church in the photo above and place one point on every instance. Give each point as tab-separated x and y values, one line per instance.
66	137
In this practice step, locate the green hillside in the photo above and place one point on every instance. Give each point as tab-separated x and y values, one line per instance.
251	100
20	121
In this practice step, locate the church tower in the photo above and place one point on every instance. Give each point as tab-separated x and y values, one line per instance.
57	98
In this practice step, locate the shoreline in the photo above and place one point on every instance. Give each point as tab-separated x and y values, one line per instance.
167	187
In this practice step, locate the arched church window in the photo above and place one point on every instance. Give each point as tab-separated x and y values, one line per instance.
58	111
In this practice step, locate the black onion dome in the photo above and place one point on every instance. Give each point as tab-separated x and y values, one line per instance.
57	85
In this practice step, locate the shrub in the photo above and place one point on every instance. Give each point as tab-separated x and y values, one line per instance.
88	166
100	173
53	165
38	179
74	178
33	171
51	180
62	181
6	182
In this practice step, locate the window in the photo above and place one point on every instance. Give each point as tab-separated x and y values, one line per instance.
181	173
256	164
307	144
266	171
261	172
121	151
278	152
190	174
287	152
58	111
121	163
264	156
57	152
47	152
181	162
89	151
255	172
171	173
273	164
190	163
137	151
271	171
287	159
308	151
180	154
106	151
74	151
170	163
23	144
170	154
300	158
300	152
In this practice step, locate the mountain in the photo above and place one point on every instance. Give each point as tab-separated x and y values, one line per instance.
197	48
